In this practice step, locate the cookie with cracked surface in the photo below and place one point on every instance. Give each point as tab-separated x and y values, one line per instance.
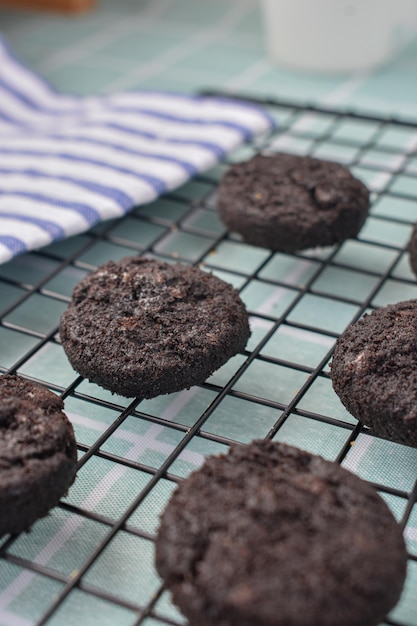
38	453
374	371
272	535
287	203
140	327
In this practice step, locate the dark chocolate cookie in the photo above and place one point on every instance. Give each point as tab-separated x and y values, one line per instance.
38	454
274	536
374	371
412	248
288	203
143	328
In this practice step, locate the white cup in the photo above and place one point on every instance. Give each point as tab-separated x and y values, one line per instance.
337	36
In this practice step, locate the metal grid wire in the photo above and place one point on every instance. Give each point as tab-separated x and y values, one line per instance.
91	560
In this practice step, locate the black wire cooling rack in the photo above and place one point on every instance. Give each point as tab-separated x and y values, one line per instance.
91	560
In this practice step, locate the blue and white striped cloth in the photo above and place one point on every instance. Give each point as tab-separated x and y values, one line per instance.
68	162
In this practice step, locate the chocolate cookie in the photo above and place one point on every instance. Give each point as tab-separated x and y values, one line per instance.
38	455
374	371
274	536
412	248
143	328
288	203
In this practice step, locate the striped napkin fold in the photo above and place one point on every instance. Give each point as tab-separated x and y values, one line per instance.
69	162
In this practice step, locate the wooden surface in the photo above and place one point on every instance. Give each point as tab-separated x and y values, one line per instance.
70	6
